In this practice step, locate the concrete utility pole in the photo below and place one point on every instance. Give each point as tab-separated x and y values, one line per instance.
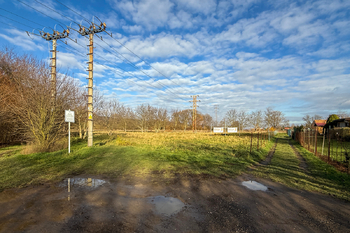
84	32
54	37
216	114
194	116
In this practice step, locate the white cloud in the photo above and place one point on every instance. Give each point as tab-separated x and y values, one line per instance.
198	6
150	13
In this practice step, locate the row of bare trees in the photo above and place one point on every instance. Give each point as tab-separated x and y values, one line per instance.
256	119
114	115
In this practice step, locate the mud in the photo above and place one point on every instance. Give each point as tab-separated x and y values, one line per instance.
267	161
302	161
197	204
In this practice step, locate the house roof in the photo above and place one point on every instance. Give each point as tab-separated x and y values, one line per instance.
341	120
320	123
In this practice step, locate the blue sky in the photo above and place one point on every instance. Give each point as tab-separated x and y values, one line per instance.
243	54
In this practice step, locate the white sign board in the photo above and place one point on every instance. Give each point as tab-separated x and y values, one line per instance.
232	130
69	116
218	130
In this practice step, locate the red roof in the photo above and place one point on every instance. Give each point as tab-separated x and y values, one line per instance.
320	123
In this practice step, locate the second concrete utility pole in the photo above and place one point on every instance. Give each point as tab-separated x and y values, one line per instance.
91	31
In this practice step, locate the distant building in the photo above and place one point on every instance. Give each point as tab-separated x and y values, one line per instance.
340	123
318	125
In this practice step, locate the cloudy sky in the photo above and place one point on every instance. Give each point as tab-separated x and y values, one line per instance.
248	55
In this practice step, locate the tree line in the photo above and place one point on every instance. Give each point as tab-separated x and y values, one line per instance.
27	113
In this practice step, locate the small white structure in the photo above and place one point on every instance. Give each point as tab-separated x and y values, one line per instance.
218	129
232	130
69	117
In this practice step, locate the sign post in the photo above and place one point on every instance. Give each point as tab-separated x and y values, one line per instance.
69	117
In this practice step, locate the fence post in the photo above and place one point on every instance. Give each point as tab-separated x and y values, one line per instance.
251	141
323	142
308	140
257	146
315	142
329	144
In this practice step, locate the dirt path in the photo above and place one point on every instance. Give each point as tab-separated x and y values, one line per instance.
185	204
302	164
270	155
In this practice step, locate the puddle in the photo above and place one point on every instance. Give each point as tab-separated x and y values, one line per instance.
82	182
253	185
167	205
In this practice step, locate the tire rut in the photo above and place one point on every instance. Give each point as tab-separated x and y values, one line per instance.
267	161
302	163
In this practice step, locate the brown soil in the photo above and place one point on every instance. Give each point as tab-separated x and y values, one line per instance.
269	156
302	164
211	205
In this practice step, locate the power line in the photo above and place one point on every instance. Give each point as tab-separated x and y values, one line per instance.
21	17
16	21
130	63
12	26
41	12
72	10
120	74
114	39
96	43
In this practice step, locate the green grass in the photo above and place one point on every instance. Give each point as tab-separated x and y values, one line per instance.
337	148
133	154
320	176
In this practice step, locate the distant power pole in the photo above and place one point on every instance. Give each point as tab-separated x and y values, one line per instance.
54	37
194	115
84	32
216	113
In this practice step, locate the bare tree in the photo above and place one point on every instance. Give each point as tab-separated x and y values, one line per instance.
185	117
207	121
275	118
175	118
232	118
243	119
342	114
126	116
309	119
256	119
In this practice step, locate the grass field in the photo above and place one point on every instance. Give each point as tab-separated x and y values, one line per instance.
320	176
338	148
134	154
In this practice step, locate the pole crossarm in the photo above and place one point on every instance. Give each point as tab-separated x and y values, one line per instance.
94	28
56	35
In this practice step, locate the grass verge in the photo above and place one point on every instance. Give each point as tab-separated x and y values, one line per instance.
134	154
319	177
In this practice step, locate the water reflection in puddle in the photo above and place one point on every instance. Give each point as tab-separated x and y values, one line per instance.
167	205
253	185
83	182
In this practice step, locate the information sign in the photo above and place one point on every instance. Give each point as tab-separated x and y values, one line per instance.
69	116
218	129
232	130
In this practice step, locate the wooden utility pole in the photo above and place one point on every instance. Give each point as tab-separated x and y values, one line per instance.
54	37
194	115
93	29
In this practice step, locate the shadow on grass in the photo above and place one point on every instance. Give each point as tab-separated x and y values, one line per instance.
320	176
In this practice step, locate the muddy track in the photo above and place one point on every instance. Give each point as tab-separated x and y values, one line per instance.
267	160
302	164
270	155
